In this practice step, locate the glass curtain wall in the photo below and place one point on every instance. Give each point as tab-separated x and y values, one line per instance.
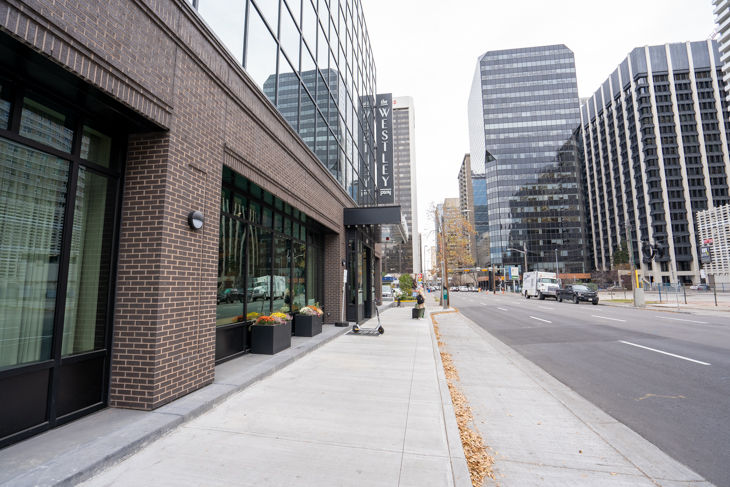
270	260
313	61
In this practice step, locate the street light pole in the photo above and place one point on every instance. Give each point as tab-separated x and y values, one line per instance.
631	254
557	268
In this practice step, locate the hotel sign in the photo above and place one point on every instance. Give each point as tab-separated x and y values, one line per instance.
384	139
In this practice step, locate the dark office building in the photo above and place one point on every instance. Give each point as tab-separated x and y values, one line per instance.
122	124
656	146
523	111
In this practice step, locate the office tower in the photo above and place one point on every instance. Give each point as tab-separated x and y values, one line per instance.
523	111
473	203
404	258
722	19
655	136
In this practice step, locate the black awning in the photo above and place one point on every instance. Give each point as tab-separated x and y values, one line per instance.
390	217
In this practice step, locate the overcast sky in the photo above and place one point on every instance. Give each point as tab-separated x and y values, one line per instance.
428	49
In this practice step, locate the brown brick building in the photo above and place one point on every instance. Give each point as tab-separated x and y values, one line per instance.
137	113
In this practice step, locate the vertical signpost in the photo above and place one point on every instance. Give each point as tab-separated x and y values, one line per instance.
384	139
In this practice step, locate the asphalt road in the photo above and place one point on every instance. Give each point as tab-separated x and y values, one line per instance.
665	375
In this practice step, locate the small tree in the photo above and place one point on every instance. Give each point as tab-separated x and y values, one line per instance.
621	256
406	282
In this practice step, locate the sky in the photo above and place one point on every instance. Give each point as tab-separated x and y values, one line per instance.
428	50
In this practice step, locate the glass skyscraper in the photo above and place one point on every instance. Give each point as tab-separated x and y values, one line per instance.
523	111
313	60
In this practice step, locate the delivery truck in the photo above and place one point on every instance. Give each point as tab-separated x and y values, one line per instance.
540	285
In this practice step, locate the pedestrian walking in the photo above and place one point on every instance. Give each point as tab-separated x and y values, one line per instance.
420	303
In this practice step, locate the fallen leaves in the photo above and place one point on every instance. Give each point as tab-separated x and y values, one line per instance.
477	458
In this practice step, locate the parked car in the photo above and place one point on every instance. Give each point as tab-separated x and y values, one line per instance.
701	287
462	289
577	293
387	291
229	295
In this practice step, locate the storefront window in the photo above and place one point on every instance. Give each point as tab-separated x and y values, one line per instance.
88	273
45	125
231	261
282	292
312	275
96	147
259	272
299	279
32	200
359	273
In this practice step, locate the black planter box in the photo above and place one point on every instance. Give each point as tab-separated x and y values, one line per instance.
307	326
270	339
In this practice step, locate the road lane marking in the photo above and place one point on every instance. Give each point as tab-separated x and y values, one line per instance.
501	308
546	321
677	319
606	318
665	353
543	307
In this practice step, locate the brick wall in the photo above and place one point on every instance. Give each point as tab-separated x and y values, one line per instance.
157	57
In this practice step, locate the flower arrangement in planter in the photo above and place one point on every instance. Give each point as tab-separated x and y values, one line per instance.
252	316
308	322
270	334
282	316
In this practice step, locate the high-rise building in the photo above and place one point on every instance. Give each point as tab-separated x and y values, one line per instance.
722	19
656	150
523	112
404	258
473	203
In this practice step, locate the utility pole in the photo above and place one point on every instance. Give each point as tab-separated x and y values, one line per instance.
557	268
444	278
447	302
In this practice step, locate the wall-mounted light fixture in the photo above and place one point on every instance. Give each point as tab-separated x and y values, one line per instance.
343	262
196	220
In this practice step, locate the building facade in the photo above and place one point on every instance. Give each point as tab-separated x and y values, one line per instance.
113	290
713	232
655	137
404	258
722	19
523	112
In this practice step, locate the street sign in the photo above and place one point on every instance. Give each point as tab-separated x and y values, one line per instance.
707	241
514	273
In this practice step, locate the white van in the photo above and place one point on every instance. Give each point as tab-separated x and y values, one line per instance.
387	291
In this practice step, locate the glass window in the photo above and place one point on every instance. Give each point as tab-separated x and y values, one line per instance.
299	277
287	226
33	186
322	50
5	104
96	147
295	231
281	285
295	8
259	272
261	56
312	276
270	11
288	98
225	200
88	273
254	212
309	70
309	25
289	38
47	126
231	261
239	206
226	18
266	219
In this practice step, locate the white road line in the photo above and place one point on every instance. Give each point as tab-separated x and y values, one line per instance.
606	318
546	321
501	308
543	307
665	353
677	319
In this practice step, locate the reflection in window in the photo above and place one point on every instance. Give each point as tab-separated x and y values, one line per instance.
261	55
281	284
259	272
31	224
270	11
96	147
313	276
88	274
299	277
288	98
231	261
289	38
226	18
46	126
4	108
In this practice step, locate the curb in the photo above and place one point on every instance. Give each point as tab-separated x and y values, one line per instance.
459	467
82	463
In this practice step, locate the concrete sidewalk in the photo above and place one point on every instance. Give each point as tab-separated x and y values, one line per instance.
363	410
541	432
